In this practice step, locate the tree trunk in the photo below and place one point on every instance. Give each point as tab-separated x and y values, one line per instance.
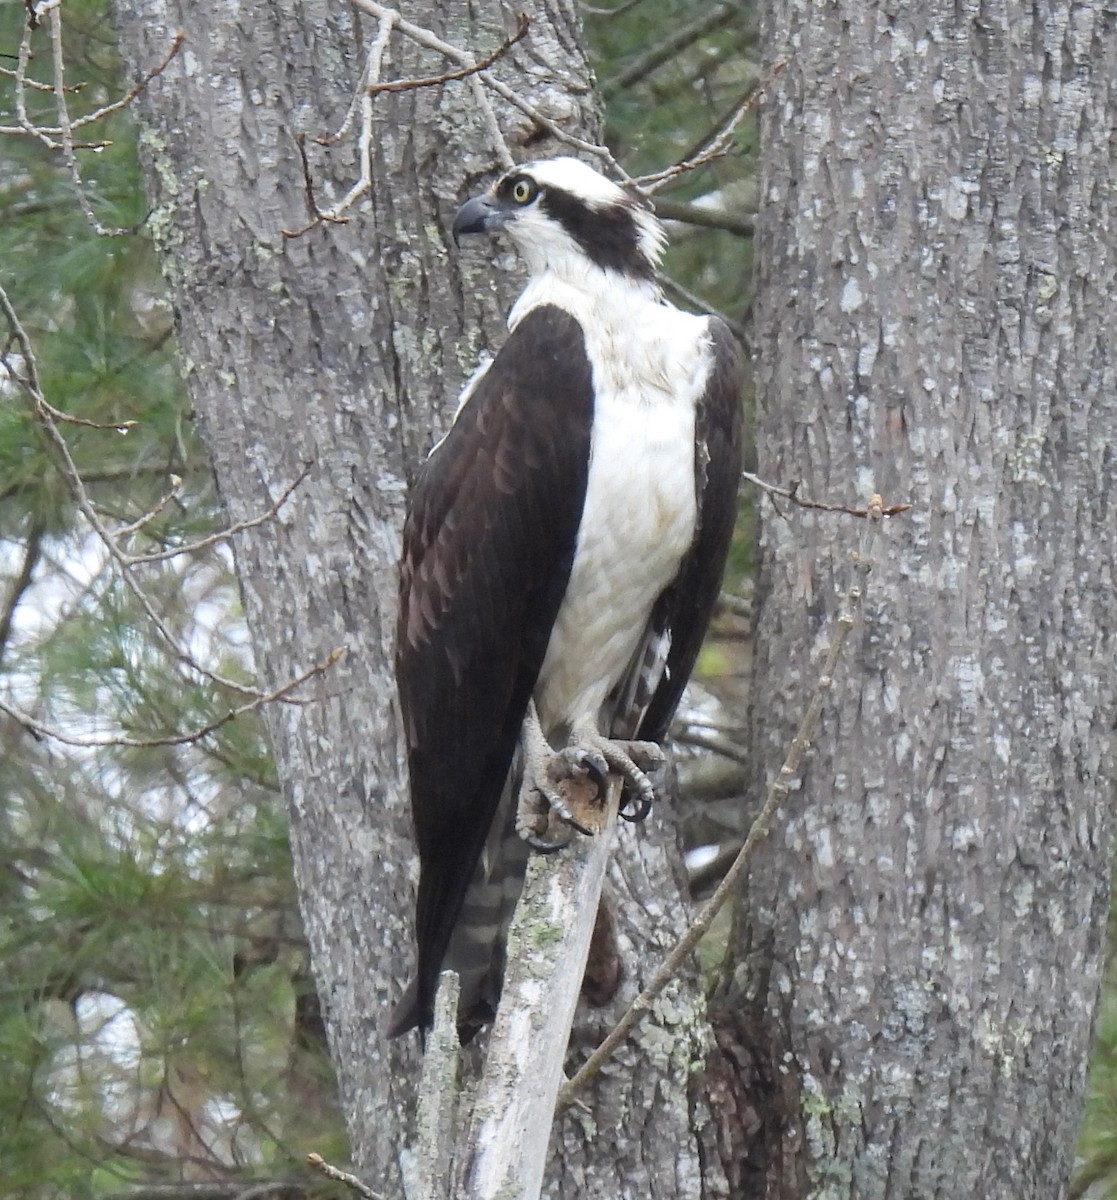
924	931
345	349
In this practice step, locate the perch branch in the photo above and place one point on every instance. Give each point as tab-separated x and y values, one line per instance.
547	948
438	1093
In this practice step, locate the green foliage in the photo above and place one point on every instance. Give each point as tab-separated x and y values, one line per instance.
673	74
157	1019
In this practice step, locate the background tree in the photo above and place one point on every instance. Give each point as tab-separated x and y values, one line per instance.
923	937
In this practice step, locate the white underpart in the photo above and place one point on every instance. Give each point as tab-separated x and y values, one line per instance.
650	365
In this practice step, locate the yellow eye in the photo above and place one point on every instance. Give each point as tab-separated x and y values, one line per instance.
523	191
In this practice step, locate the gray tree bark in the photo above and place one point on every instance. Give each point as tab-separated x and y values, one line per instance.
345	349
923	933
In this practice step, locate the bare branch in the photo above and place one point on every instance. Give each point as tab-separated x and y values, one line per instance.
59	66
350	1181
777	792
470	69
742	224
792	493
407	85
548	944
370	73
684	36
56	414
44	132
35	86
717	146
222	535
136	89
363	100
45	732
29	381
148	517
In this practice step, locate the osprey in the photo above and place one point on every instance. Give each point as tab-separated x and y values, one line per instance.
562	554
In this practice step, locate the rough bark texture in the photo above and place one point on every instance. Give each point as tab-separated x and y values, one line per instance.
345	349
924	931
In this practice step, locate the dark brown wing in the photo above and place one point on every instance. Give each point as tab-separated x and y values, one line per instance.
685	607
487	551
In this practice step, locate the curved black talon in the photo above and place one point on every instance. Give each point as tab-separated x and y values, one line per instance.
582	761
636	814
542	846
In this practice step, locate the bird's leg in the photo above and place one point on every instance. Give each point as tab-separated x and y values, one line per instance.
592	753
540	800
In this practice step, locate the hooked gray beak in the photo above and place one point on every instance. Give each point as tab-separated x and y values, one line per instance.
478	215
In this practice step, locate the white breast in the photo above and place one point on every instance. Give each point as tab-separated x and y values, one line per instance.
650	364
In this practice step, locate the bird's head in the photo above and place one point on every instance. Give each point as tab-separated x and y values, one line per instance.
561	213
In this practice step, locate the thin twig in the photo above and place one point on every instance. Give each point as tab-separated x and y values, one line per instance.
408	85
56	414
792	493
672	46
149	516
136	89
777	792
22	63
717	147
44	132
222	535
350	1181
59	68
483	80
29	381
36	86
374	63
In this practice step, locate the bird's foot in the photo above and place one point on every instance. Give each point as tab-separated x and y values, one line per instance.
565	790
555	796
633	761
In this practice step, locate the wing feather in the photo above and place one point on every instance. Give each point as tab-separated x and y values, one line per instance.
487	550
